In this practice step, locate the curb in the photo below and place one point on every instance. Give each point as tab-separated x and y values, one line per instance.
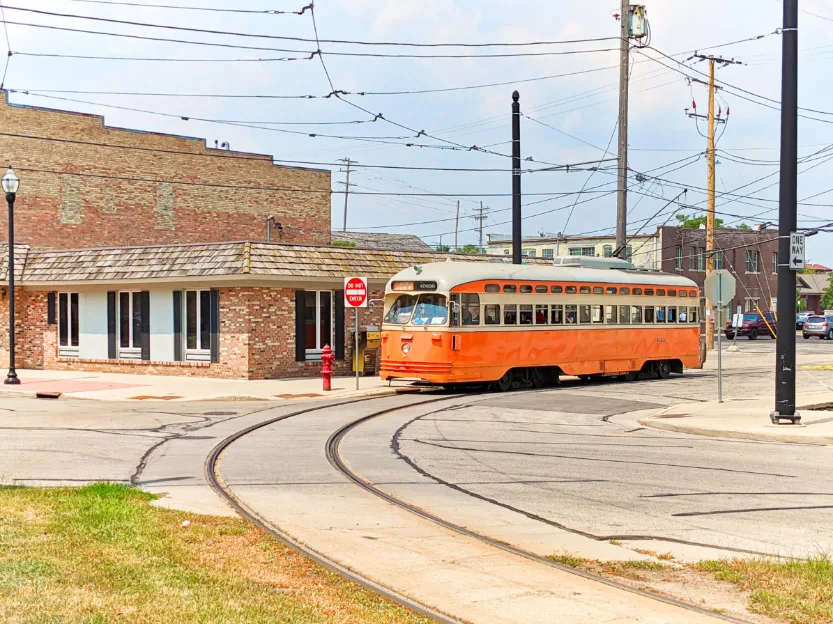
761	436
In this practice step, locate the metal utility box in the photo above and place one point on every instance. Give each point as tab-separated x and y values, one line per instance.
370	340
637	21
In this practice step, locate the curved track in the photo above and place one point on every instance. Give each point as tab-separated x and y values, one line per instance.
332	450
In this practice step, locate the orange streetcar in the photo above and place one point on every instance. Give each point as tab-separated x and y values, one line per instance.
517	325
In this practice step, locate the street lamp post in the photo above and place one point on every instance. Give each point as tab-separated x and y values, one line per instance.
10	185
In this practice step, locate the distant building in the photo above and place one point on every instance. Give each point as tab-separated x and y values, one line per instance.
811	287
380	240
642	249
818	268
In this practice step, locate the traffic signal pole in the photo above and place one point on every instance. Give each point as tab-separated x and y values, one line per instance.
787	219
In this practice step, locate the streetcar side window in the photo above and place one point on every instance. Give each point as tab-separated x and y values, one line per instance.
557	290
510	288
672	314
624	315
526	314
660	292
660	314
571	290
584	314
649	292
571	314
636	315
557	314
597	314
682	314
471	308
431	309
540	289
598	290
637	291
492	288
400	311
672	293
491	313
649	314
611	291
692	293
526	288
584	290
692	315
541	315
624	291
510	314
683	293
611	317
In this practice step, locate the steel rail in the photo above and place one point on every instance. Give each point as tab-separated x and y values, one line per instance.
213	477
332	450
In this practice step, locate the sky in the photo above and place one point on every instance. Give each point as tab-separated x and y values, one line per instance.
569	118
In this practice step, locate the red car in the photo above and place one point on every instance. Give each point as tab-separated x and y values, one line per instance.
754	325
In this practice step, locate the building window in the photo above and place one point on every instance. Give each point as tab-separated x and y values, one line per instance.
629	253
531	253
718	260
582	251
318	321
197	320
752	305
130	324
774	262
678	258
608	251
692	258
547	253
701	259
753	261
68	334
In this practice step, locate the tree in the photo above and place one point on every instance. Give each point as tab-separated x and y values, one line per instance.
692	223
744	226
827	297
443	248
470	249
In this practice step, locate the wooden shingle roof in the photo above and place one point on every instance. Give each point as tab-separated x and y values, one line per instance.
382	240
20	254
218	260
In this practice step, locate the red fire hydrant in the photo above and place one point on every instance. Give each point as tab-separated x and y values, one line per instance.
327	358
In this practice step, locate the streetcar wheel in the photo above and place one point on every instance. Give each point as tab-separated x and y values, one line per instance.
536	377
504	383
630	376
664	369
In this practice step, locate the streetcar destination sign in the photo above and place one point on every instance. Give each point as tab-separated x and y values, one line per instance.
414	286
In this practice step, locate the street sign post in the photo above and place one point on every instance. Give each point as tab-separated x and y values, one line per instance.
797	256
355	296
720	288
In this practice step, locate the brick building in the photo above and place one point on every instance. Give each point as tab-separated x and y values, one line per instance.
750	255
128	259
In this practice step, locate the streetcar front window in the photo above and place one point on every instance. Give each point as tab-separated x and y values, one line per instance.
400	311
431	310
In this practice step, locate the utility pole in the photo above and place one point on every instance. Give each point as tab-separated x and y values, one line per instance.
480	217
787	219
710	160
346	184
516	178
457	226
622	181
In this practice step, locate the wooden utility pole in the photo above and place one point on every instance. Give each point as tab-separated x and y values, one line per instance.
346	184
710	163
622	181
457	226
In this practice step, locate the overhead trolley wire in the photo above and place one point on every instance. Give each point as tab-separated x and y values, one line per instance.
193	8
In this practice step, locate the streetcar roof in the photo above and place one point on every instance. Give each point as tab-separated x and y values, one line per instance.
451	274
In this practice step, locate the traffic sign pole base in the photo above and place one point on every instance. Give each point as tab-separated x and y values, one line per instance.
776	418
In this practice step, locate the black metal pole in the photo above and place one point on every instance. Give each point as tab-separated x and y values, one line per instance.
787	218
11	378
516	179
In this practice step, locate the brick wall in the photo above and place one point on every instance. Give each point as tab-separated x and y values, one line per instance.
257	339
58	208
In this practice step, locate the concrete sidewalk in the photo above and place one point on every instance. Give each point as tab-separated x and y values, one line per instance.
121	387
749	419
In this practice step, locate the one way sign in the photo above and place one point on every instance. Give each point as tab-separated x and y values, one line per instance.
796	251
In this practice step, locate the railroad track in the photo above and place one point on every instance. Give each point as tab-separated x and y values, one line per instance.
333	453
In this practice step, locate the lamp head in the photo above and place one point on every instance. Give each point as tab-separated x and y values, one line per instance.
10	182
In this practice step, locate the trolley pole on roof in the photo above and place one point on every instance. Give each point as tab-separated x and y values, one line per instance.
787	220
516	178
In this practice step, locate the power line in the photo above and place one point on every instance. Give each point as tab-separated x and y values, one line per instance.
164	59
193	8
8	46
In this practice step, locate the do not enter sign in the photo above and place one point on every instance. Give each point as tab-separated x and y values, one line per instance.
355	292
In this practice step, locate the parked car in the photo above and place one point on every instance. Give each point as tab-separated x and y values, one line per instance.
821	326
754	325
801	318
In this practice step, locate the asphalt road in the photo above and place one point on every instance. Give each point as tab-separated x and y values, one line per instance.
565	457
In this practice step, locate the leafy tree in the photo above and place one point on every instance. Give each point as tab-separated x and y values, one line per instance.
443	248
827	297
694	222
744	226
470	249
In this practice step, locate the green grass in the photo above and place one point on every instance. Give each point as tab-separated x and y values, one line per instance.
795	591
101	554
